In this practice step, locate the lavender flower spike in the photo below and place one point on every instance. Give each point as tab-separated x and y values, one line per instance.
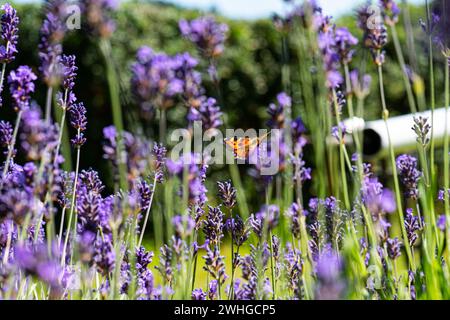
407	167
227	194
9	33
206	33
21	86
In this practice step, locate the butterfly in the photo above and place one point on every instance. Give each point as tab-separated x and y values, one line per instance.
243	147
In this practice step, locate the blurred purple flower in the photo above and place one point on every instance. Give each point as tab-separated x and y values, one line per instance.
329	269
50	48
97	13
206	33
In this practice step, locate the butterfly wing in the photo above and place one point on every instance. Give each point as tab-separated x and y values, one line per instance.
243	147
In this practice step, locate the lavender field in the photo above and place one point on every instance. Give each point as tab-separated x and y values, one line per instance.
333	195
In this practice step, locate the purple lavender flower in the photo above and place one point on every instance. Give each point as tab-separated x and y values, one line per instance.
215	265
37	262
409	175
238	229
227	193
377	199
344	41
207	34
330	285
377	39
213	289
360	84
88	208
85	242
213	225
198	294
391	11
191	79
393	248
9	33
301	172
267	217
430	25
98	13
294	213
91	180
104	256
154	80
298	130
208	113
16	204
78	118
145	192
196	175
37	137
6	132
412	224
50	48
330	205
21	86
442	222
339	132
69	71
422	128
159	151
7	230
78	121
276	111
327	45
294	270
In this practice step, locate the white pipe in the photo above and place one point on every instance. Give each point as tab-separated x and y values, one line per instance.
403	137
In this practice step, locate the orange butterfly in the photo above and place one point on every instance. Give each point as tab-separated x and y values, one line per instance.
243	147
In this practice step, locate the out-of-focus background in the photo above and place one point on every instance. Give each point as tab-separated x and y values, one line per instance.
250	68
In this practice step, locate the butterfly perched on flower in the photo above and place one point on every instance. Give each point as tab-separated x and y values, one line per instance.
244	146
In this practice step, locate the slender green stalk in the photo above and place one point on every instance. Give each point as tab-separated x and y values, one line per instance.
394	171
11	147
72	204
61	225
341	152
2	77
432	90
409	35
8	244
401	60
147	213
48	105
272	267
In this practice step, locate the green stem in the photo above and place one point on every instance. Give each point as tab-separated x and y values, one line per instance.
401	60
72	205
48	104
2	77
147	213
432	91
11	146
341	152
394	171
